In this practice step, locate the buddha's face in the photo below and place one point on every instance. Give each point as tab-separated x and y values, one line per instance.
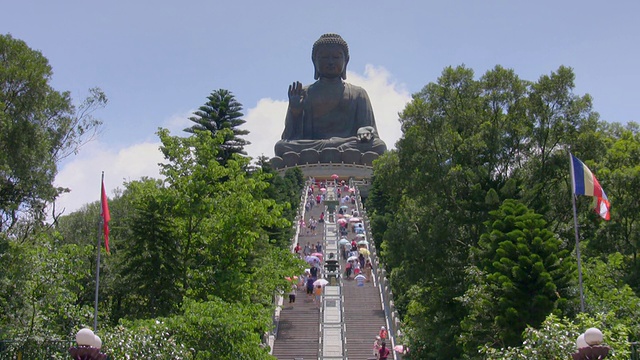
330	61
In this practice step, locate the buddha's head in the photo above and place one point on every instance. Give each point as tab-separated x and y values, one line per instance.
330	55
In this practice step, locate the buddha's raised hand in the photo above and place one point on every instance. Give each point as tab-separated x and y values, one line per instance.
296	95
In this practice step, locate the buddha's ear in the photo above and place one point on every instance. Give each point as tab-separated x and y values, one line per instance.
344	71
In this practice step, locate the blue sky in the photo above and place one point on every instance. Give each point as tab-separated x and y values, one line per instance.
157	61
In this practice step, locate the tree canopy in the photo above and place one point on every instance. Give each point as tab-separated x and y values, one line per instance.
473	210
39	126
222	111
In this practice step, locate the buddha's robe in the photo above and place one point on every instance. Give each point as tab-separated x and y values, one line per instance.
332	113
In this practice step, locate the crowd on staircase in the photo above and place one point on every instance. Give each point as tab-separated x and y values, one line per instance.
351	265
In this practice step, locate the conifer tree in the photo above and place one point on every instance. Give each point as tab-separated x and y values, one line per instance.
222	111
528	272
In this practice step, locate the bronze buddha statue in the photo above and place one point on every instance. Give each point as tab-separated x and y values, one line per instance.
329	117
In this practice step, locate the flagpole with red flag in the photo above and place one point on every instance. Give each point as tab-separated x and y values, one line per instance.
105	217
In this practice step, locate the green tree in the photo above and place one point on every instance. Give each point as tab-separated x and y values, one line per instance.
619	173
152	270
143	339
222	111
560	120
467	146
285	190
556	338
444	177
38	127
221	214
528	275
606	291
219	330
39	287
212	329
83	228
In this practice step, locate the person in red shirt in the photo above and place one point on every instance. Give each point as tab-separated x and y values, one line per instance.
383	333
383	353
297	249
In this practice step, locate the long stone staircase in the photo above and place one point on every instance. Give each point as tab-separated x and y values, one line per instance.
363	316
345	324
298	329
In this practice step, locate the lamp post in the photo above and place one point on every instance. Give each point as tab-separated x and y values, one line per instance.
88	348
589	346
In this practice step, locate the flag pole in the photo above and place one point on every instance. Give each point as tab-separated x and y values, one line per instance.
575	224
100	225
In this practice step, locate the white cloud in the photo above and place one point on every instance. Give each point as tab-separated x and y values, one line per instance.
265	122
388	98
83	173
177	123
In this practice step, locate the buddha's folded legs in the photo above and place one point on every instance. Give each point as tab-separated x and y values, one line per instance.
376	145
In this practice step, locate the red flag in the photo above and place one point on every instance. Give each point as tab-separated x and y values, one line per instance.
106	217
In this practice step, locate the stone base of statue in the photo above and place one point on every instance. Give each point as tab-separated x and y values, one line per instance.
349	163
328	151
328	155
357	175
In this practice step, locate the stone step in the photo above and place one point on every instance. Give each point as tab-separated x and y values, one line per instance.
363	316
298	330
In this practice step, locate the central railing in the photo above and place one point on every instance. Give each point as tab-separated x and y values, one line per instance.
333	336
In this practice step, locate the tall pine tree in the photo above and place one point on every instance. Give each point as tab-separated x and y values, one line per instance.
222	111
528	274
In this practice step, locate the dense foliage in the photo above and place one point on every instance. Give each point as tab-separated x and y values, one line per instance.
473	212
556	337
196	258
521	276
39	126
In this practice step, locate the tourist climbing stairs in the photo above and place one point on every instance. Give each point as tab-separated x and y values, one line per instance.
349	317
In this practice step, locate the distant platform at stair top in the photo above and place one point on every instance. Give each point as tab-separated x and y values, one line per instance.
344	171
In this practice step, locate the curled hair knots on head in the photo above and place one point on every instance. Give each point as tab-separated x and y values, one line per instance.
328	39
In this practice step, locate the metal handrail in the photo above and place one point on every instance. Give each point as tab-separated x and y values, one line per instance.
392	317
278	299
